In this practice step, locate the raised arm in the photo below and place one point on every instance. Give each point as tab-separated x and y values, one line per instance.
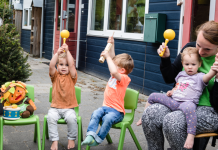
53	62
209	75
70	61
112	67
213	71
112	50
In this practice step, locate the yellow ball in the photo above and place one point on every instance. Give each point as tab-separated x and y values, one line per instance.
169	34
65	34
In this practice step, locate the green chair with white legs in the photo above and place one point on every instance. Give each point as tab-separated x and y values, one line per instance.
34	119
61	121
130	103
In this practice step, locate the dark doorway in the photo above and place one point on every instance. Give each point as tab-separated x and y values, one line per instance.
200	14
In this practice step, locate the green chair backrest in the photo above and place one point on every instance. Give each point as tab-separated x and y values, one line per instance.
77	91
30	94
130	103
131	99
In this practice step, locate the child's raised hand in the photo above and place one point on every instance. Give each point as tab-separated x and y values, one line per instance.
60	50
65	47
215	64
105	54
110	40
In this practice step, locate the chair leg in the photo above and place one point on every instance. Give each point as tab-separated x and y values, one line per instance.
35	133
44	132
122	135
38	134
109	139
47	136
79	132
1	133
87	147
134	138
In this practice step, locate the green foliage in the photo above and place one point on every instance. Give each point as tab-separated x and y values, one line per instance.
4	1
13	63
5	12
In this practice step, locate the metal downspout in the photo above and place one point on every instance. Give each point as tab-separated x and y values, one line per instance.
42	28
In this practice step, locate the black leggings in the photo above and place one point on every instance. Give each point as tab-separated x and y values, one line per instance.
158	119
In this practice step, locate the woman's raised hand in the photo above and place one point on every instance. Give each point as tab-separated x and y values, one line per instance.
167	51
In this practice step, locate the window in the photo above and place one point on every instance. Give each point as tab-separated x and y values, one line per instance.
15	1
27	15
125	17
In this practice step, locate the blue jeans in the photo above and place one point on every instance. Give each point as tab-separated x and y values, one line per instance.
108	116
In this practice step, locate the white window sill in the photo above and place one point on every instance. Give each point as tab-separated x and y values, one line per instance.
26	27
118	35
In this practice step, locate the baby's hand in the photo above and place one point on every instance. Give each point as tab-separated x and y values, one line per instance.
139	122
169	93
110	40
65	47
105	54
215	64
60	50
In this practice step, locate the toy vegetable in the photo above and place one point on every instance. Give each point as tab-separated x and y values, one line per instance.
15	93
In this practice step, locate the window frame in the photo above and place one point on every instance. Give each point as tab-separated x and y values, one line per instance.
28	27
15	1
119	34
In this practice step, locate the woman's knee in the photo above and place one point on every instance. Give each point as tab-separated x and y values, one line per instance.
173	122
154	114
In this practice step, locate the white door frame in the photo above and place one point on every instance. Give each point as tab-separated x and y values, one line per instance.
78	34
181	26
54	30
212	9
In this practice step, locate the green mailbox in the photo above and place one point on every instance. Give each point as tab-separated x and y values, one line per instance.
154	27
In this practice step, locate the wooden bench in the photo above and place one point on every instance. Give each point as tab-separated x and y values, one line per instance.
206	135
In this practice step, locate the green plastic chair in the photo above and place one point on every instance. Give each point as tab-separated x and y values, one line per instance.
61	121
130	102
34	119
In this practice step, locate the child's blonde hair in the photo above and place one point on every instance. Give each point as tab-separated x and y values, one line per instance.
124	61
189	51
62	55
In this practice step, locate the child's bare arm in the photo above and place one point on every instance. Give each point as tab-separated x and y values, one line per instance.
212	72
112	67
53	62
70	61
209	75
